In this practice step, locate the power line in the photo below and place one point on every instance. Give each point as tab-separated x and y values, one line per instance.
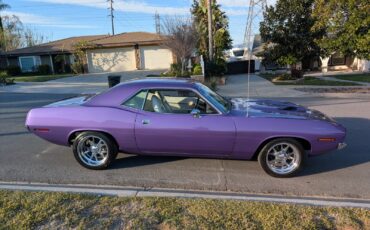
111	14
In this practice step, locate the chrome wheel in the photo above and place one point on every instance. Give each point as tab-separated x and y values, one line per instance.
283	158
92	150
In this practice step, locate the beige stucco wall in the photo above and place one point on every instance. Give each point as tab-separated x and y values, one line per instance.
111	60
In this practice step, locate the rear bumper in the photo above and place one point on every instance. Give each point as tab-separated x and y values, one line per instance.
341	145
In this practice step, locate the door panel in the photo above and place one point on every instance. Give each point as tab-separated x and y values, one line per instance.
155	57
184	134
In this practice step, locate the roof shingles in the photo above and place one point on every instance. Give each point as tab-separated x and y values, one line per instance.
66	45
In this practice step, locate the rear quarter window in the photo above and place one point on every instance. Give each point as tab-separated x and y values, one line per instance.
137	100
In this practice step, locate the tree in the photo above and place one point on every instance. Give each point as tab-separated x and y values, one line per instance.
346	23
220	30
12	33
79	52
3	6
32	38
287	30
181	39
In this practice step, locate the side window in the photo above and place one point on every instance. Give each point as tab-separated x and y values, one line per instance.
176	101
136	101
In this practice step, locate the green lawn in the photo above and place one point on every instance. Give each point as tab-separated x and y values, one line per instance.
46	210
355	77
308	81
39	78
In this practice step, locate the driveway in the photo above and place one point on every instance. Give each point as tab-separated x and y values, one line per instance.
102	78
82	84
27	158
237	86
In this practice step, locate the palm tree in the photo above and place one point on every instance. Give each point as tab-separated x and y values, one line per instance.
3	6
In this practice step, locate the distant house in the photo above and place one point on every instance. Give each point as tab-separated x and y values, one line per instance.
335	62
122	52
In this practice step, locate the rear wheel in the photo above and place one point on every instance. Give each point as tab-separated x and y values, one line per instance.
94	150
282	157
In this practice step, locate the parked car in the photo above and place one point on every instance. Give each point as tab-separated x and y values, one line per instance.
185	118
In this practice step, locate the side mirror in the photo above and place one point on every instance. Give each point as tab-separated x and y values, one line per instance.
195	113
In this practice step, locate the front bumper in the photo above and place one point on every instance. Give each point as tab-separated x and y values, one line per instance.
341	145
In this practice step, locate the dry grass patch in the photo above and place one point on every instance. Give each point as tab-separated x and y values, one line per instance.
45	210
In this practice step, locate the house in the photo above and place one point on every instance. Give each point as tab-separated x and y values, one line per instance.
121	52
335	62
56	54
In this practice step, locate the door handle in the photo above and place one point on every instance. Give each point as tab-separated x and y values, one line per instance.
145	122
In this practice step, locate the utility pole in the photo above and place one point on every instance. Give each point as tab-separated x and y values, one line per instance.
210	32
111	15
157	19
255	14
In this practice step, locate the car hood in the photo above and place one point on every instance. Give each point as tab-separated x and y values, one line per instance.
272	108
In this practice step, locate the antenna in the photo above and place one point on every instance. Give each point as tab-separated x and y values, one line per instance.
255	14
111	15
157	19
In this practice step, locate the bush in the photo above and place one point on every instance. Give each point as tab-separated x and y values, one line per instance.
284	77
175	70
4	80
67	68
197	70
13	70
77	68
215	69
44	69
296	74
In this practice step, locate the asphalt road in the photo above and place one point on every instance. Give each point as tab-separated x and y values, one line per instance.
26	158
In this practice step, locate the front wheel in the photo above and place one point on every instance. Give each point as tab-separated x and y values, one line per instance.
94	150
282	157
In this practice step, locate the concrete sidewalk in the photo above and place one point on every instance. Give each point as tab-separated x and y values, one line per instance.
82	84
124	191
237	86
55	88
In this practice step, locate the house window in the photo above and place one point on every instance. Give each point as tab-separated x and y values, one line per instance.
337	59
29	63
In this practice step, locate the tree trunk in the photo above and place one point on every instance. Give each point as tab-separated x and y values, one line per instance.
2	37
182	66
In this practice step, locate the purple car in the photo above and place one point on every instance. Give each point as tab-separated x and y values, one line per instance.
185	118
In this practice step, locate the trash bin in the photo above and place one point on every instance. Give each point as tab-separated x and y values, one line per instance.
113	80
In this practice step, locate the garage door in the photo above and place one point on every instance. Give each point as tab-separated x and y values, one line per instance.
155	57
111	60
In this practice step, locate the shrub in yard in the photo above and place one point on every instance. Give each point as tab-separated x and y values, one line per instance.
77	68
4	80
44	69
175	70
215	68
296	73
284	77
197	70
67	68
13	70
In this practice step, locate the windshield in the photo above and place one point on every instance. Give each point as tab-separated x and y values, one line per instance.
221	103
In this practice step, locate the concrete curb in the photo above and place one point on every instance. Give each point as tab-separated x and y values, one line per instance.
194	194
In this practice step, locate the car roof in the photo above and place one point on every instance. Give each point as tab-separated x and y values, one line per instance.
161	82
116	95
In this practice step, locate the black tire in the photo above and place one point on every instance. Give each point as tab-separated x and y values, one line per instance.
111	149
262	157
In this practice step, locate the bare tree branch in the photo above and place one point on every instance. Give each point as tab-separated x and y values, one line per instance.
182	38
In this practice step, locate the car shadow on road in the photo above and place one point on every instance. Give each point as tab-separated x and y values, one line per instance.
136	161
357	152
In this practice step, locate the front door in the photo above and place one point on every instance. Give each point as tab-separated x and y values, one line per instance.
166	125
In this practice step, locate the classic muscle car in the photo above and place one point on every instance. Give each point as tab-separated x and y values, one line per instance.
185	118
